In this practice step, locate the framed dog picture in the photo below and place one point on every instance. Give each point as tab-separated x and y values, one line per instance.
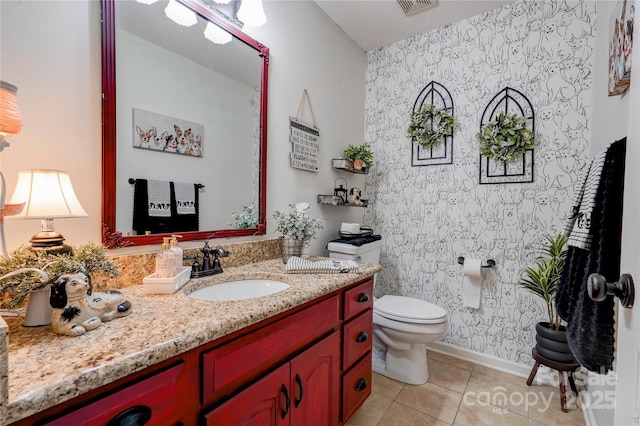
161	133
622	21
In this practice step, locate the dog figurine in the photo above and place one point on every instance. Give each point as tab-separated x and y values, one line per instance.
76	310
353	198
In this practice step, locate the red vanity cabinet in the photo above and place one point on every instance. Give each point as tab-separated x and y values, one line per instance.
314	359
356	346
301	392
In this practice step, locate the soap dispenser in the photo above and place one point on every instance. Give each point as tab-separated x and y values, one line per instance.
178	253
165	260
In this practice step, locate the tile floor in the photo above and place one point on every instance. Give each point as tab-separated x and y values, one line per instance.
462	393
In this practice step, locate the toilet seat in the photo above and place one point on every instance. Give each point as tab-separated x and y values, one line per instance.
409	309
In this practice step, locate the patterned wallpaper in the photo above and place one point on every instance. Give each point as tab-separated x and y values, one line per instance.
430	215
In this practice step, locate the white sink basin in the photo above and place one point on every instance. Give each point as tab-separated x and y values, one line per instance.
239	290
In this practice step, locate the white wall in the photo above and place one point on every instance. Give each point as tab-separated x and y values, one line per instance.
222	106
51	51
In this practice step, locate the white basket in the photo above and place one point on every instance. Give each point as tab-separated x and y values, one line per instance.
166	285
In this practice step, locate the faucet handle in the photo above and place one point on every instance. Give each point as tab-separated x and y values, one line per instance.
222	252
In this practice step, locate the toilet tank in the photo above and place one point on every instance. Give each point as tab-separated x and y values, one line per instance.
365	253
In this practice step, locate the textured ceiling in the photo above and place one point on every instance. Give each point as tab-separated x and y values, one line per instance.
375	23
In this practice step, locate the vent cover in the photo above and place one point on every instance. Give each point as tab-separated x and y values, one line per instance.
409	7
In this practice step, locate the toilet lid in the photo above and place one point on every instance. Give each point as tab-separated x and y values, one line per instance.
408	309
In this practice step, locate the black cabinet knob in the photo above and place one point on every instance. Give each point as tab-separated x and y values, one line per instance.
361	385
362	337
133	416
364	297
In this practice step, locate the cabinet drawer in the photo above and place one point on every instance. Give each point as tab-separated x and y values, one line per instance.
242	360
356	387
358	335
156	396
358	299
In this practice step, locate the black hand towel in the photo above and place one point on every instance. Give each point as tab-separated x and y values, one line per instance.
142	222
590	325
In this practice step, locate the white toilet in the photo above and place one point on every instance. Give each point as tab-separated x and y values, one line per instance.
401	325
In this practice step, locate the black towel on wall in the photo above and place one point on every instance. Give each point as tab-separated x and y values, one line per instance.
142	222
590	324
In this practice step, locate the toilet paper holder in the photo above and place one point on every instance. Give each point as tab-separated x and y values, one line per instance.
490	263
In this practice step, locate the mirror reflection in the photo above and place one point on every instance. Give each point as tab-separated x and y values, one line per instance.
188	117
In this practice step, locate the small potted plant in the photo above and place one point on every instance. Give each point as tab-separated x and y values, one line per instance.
246	219
297	228
361	156
505	138
542	280
429	125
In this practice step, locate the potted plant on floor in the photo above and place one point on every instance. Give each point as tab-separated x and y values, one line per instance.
361	156
297	229
542	279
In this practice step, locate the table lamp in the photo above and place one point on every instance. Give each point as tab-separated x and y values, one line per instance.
47	195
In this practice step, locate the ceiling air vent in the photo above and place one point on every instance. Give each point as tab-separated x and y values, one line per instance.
409	7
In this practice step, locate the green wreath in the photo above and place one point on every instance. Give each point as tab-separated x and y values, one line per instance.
430	125
506	137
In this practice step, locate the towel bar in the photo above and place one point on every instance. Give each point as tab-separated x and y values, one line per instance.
132	181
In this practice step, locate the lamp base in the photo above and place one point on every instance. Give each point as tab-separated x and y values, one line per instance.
51	242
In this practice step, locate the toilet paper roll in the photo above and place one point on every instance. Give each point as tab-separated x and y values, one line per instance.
352	228
471	283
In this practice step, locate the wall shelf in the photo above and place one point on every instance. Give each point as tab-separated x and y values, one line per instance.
334	200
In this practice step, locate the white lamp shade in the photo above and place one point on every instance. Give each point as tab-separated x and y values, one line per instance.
47	194
180	14
216	34
251	13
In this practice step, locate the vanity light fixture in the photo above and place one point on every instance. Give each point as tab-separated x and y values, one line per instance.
47	194
251	13
179	14
216	34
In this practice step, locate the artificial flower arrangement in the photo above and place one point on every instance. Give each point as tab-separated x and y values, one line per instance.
247	218
296	224
506	137
429	125
89	259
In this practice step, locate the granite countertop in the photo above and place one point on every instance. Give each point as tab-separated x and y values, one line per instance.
45	368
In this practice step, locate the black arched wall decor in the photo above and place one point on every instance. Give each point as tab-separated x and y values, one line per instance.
510	101
435	94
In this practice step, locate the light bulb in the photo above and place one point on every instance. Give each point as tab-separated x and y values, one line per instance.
180	14
251	13
216	34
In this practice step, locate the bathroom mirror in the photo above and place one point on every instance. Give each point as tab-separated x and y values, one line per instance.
160	78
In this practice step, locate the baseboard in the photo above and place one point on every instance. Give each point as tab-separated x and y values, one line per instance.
485	360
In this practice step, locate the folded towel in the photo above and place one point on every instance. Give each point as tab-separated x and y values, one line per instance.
159	193
357	241
185	197
298	265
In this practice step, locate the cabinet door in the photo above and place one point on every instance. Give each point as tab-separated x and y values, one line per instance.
265	403
315	384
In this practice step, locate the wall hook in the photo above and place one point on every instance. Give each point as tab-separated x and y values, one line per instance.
598	289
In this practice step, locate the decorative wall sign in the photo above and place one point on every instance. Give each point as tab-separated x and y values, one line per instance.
620	48
437	95
161	133
518	170
304	140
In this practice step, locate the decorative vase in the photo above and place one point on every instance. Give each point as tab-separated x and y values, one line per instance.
291	247
358	164
553	344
